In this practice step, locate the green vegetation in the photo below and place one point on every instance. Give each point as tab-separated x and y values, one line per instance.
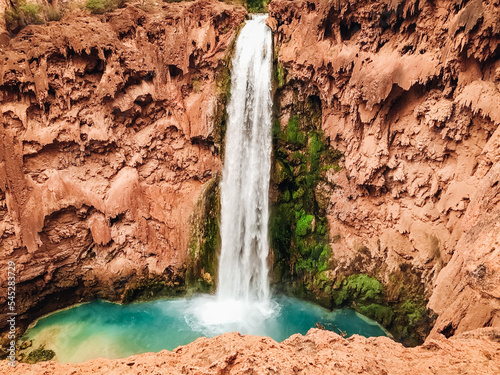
103	6
40	355
257	6
298	226
279	74
359	288
382	314
205	240
223	92
22	14
303	265
154	287
405	316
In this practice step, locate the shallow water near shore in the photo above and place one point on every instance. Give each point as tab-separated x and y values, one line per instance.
102	329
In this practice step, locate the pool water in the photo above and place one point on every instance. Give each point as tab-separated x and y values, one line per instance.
107	330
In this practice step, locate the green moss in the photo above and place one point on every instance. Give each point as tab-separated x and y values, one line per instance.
358	287
293	135
40	355
301	248
304	225
382	314
413	310
315	149
279	75
149	288
299	193
103	6
202	270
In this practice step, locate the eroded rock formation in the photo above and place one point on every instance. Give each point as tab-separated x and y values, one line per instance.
409	93
108	135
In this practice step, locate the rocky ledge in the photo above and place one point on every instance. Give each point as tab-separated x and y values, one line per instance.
318	352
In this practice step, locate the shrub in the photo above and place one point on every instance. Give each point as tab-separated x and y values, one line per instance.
256	6
103	6
23	14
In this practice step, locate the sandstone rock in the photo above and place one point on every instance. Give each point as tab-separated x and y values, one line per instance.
409	93
107	127
318	352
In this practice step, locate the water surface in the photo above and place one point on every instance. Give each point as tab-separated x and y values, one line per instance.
109	330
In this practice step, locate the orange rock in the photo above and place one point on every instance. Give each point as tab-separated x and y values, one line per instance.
318	352
107	139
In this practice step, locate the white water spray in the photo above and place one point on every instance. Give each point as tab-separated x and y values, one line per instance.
243	270
243	302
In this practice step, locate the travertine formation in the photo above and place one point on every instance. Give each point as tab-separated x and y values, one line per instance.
410	93
107	139
319	352
109	133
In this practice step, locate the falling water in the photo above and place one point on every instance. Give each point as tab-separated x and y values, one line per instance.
243	271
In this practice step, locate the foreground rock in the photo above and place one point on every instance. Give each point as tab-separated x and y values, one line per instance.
319	352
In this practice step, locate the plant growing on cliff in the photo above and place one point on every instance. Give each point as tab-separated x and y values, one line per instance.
299	230
359	287
103	6
22	14
257	6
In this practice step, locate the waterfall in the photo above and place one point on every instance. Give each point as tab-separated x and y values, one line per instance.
243	270
242	302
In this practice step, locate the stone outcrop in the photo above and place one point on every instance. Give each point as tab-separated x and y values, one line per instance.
318	352
109	132
409	93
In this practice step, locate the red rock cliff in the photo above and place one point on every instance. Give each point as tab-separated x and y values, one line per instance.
410	93
107	139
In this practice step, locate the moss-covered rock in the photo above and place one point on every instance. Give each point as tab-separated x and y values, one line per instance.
153	287
202	265
358	288
39	355
300	238
298	227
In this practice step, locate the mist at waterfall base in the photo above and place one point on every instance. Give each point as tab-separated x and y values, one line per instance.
108	330
243	302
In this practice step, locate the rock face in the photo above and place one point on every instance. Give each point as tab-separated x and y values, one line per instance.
410	94
110	133
107	139
319	352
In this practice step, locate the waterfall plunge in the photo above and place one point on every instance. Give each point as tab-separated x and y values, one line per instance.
243	271
242	302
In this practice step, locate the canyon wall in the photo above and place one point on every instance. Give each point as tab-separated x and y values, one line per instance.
408	93
110	129
386	155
